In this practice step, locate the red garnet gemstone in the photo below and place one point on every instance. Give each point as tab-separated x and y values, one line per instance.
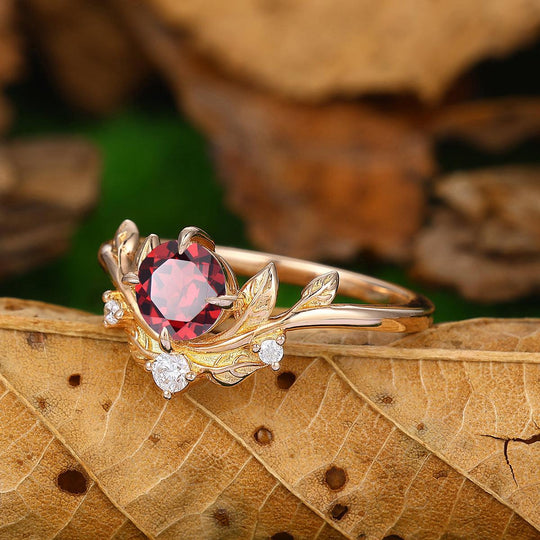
173	289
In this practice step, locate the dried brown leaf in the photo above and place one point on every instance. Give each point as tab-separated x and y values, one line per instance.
89	55
49	185
494	125
293	169
314	50
484	239
431	436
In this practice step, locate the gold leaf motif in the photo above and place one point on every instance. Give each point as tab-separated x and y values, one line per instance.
125	261
127	237
318	292
126	241
236	368
259	294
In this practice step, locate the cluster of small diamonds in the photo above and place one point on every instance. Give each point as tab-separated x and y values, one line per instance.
112	312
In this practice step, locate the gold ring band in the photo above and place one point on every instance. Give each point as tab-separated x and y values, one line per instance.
391	308
173	297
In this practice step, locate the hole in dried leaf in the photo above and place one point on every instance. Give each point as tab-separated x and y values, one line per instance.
222	517
74	380
282	536
36	340
106	405
41	403
72	481
335	478
263	435
393	537
154	438
338	511
285	380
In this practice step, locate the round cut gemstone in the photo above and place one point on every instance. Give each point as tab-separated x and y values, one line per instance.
173	289
271	352
169	372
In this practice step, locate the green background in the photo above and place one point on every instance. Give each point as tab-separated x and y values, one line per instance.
158	172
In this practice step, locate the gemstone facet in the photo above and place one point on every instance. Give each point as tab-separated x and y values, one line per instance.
112	312
169	372
173	288
271	352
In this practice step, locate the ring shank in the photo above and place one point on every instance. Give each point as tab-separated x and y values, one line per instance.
392	308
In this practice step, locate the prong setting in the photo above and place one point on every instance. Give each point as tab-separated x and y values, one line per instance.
271	352
189	235
170	371
130	279
151	242
225	301
165	341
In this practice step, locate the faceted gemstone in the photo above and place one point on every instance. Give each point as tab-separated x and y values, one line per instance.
169	372
271	352
173	289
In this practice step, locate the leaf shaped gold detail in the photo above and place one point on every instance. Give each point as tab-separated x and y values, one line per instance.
320	291
127	237
126	241
259	295
233	370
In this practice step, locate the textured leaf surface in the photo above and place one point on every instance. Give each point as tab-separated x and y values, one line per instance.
259	293
319	292
432	435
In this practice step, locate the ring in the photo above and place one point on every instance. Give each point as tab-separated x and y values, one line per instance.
187	318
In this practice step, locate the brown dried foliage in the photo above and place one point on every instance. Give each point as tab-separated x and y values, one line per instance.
316	49
293	171
484	239
93	60
432	435
46	187
11	58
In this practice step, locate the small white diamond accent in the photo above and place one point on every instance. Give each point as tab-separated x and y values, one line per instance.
270	352
112	312
169	372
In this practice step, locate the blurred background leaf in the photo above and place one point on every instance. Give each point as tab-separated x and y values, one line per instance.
157	171
157	167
